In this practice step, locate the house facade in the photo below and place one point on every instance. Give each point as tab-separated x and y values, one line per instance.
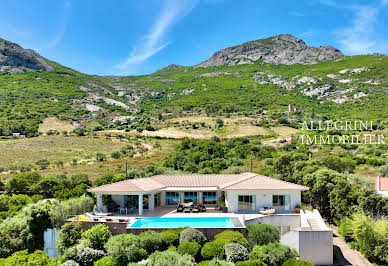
241	193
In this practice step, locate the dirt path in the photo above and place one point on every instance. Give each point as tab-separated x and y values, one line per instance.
343	254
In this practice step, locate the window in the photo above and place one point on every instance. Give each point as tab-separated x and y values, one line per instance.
191	197
209	197
246	202
283	201
172	198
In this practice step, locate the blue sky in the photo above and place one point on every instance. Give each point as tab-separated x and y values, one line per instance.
138	37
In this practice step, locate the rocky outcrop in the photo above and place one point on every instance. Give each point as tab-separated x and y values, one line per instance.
13	58
280	49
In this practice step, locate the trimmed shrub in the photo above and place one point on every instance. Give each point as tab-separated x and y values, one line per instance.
192	235
151	241
273	254
191	248
170	237
83	255
212	250
168	258
86	256
251	263
297	262
203	263
235	252
232	236
106	261
263	234
98	235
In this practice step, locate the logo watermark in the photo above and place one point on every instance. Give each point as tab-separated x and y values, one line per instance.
343	126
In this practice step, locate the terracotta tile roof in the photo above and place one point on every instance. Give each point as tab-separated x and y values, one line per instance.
383	184
260	182
198	180
222	181
130	185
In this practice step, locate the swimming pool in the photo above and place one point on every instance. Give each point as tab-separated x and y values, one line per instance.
183	222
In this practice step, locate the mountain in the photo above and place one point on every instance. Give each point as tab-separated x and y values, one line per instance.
14	58
319	82
280	49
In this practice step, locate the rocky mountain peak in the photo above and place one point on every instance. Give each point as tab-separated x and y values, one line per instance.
280	49
14	58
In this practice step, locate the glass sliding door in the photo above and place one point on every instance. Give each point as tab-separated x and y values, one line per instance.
157	200
172	198
191	197
246	203
209	197
131	201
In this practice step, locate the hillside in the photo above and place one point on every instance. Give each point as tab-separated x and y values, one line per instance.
319	82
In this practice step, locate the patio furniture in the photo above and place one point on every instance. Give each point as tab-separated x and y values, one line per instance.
267	210
124	210
113	207
131	210
187	204
101	213
196	209
180	208
202	207
187	210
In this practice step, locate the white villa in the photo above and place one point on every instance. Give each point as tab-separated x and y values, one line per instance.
242	193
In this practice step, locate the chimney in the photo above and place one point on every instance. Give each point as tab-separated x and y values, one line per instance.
378	186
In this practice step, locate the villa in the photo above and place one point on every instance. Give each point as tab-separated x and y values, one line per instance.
241	193
137	205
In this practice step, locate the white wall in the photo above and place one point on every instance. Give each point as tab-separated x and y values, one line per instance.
313	246
263	198
51	237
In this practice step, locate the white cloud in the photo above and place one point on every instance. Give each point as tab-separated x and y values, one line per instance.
154	42
360	37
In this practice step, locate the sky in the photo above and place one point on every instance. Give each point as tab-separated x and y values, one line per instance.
128	37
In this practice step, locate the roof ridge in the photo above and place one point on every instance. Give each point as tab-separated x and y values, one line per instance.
283	181
239	180
106	185
150	178
267	177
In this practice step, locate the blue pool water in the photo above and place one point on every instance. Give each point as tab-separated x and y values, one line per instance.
182	222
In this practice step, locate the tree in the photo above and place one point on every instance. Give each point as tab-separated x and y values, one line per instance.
321	183
284	164
115	155
100	157
263	234
69	235
20	183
